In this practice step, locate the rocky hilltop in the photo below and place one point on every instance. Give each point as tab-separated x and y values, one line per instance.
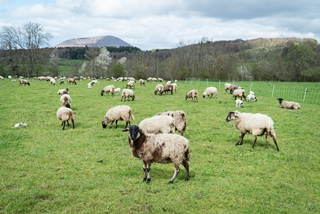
98	41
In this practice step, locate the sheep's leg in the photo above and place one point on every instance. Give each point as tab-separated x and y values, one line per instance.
64	124
146	169
111	125
186	163
72	123
176	172
116	124
240	140
255	140
275	142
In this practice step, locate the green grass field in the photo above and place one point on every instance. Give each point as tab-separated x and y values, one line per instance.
91	169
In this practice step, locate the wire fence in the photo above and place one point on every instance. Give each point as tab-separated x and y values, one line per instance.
304	92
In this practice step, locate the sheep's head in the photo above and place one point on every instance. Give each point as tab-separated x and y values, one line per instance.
280	100
134	132
232	115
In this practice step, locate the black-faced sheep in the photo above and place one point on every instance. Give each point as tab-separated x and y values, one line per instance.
193	94
180	119
210	91
63	91
24	82
255	124
233	87
120	112
167	88
65	99
158	89
64	113
72	80
108	89
158	124
52	81
126	94
130	84
239	103
288	104
161	148
239	93
141	81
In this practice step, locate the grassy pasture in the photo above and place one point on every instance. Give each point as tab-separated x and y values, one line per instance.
91	169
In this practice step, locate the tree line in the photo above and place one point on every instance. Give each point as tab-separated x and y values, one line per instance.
24	52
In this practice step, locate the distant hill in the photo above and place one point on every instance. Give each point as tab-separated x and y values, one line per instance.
98	41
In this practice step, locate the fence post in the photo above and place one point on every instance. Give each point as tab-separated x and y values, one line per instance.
272	91
251	86
305	94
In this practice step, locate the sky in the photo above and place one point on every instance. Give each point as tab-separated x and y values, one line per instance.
150	24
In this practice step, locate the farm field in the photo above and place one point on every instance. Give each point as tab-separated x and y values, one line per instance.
91	170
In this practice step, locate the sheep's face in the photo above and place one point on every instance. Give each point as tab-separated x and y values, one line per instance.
134	132
231	116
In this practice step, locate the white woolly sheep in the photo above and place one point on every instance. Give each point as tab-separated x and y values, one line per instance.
72	80
233	87
175	87
158	89
255	124
126	94
107	89
141	81
210	91
130	84
158	124
180	119
1	78
63	91
288	104
120	112
65	113
239	103
25	82
161	148
52	81
65	99
192	94
227	86
239	93
117	90
166	89
251	97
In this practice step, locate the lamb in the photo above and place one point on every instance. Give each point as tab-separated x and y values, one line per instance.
158	124
239	103
120	112
126	94
251	96
180	119
72	80
167	88
65	99
65	113
130	84
239	93
25	82
288	104
91	84
255	124
192	94
158	89
63	91
108	89
210	91
161	148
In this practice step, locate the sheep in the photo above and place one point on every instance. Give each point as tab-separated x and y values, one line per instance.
288	104
227	86
72	80
63	91
209	92
25	82
192	94
126	94
158	89
141	81
117	90
65	113
167	88
175	87
1	78
65	99
255	124
130	84
239	103
239	93
120	112
233	87
161	148
52	81
180	119
107	89
158	124
251	97
91	84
